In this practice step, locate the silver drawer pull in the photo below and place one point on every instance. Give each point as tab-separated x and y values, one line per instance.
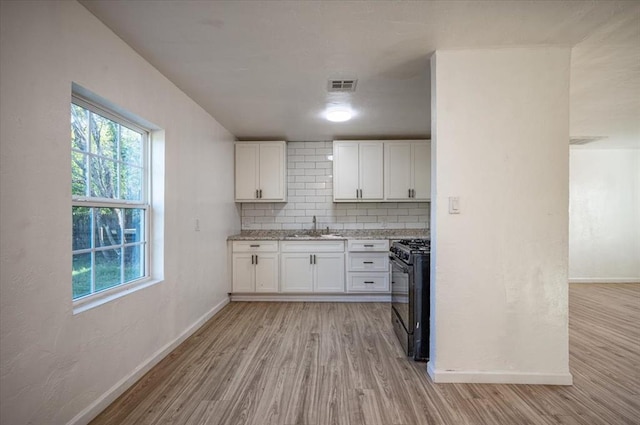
254	246
367	262
368	246
369	281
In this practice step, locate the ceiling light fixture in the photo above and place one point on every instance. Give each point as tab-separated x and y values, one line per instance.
338	114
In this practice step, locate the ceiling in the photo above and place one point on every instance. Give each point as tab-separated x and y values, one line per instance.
261	67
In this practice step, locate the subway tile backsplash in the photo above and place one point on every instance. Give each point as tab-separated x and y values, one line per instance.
310	192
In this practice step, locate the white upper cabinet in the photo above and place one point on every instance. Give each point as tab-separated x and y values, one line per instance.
358	171
261	171
407	166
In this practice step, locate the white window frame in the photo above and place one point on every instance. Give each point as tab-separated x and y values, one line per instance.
94	298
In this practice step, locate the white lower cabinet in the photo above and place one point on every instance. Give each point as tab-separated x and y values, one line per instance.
368	266
312	266
255	266
297	272
329	273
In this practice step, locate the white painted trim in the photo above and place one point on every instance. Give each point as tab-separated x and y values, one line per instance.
605	280
339	298
99	298
497	377
102	402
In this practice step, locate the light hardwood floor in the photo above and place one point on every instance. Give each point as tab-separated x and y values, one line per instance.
331	363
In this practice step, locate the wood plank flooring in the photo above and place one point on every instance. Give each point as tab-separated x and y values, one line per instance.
331	363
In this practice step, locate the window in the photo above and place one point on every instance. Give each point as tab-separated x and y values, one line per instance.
110	207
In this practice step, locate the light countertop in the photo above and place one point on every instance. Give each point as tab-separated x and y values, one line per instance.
333	234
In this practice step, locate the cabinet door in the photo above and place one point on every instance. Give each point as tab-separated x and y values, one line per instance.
297	272
345	171
266	271
398	170
422	170
272	171
370	170
243	273
247	166
329	272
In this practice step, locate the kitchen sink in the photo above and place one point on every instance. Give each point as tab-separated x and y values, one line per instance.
315	235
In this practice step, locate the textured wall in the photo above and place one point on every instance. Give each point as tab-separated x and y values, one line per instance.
310	192
499	269
53	364
604	224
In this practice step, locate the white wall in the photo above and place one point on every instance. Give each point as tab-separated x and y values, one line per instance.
54	364
604	225
499	276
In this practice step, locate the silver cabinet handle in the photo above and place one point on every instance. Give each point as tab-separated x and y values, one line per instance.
252	259
368	245
314	259
256	260
310	258
256	193
367	262
369	281
254	246
260	193
409	193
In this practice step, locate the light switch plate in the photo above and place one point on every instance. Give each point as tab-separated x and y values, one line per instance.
454	205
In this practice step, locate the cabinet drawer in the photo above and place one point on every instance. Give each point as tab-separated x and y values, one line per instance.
362	262
312	246
255	246
368	245
368	282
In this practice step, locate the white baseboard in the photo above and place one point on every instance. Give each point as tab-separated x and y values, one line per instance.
338	298
91	411
604	280
497	377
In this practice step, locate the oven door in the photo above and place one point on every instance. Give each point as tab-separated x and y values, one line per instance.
401	284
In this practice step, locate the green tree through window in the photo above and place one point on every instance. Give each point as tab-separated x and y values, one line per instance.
109	208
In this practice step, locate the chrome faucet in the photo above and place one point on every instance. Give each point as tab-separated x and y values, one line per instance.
315	225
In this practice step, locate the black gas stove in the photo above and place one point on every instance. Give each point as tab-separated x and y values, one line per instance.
407	249
410	294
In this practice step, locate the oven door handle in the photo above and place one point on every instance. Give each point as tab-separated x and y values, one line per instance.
394	262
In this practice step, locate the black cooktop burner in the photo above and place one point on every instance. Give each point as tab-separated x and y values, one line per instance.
416	244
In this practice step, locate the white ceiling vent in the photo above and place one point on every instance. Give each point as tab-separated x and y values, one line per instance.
585	140
342	85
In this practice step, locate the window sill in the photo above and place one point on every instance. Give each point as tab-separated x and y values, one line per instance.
101	298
